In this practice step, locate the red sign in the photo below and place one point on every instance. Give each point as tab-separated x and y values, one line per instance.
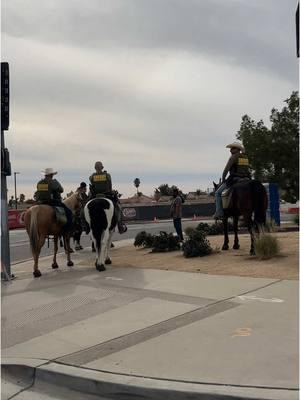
16	219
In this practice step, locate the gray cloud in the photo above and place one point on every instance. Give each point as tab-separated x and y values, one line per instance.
255	33
153	88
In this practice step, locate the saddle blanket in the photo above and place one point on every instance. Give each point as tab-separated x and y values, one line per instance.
60	215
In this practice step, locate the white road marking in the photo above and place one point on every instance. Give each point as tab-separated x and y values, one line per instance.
272	300
112	278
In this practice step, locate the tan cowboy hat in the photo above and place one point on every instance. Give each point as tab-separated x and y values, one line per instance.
49	171
235	145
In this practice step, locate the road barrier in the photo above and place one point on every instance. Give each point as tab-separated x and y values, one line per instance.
16	219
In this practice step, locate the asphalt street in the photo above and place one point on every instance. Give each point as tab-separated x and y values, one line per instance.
20	249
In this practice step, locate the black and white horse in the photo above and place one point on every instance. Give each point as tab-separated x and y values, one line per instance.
99	214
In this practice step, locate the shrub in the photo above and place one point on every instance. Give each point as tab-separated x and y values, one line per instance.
165	242
270	226
266	246
196	245
214	229
143	239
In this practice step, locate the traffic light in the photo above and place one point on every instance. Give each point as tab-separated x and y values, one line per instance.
4	96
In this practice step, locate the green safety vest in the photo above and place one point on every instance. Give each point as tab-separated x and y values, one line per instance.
241	167
47	191
44	192
101	183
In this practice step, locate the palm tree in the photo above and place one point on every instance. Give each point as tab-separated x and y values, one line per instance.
137	184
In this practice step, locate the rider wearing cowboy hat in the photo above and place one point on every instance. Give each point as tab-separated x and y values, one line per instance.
237	167
49	192
48	189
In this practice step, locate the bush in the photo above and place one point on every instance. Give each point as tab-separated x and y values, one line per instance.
214	229
165	242
143	239
266	246
196	245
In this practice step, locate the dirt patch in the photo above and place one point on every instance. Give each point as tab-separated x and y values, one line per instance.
231	262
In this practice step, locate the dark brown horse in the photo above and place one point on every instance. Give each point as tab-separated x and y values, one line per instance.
40	222
249	199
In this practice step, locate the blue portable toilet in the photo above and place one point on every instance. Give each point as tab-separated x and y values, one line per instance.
273	211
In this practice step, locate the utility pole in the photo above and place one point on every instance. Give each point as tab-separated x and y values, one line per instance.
5	171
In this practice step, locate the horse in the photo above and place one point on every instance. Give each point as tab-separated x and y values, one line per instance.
40	221
100	215
248	199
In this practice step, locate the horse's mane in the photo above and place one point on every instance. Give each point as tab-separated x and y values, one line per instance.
72	200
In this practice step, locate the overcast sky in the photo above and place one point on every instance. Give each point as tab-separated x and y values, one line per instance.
154	89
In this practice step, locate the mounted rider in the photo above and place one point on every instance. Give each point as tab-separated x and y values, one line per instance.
238	168
49	192
101	186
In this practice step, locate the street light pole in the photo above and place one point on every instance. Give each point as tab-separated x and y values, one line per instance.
16	200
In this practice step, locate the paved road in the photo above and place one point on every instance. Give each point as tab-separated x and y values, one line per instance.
20	250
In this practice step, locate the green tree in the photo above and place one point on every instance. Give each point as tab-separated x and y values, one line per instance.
137	183
274	153
165	190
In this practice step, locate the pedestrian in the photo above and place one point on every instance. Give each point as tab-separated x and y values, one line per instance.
176	213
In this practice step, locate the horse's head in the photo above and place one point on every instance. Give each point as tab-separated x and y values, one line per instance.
217	185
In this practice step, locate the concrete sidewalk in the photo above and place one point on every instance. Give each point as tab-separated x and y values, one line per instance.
147	334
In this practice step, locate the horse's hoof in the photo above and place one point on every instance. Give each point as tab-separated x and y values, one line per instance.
70	263
236	246
54	265
37	273
225	247
100	268
108	261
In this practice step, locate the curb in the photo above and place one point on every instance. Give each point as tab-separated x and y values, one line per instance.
127	387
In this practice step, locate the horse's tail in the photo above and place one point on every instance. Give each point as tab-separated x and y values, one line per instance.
33	229
260	202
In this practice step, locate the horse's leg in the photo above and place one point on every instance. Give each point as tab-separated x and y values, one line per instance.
36	272
107	258
67	242
235	229
104	242
100	259
226	239
251	230
54	263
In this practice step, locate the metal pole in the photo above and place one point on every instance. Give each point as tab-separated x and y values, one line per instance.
16	203
16	199
5	255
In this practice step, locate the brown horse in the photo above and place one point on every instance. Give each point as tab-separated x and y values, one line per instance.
249	199
40	221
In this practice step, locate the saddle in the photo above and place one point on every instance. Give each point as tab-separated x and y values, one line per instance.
227	193
60	215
